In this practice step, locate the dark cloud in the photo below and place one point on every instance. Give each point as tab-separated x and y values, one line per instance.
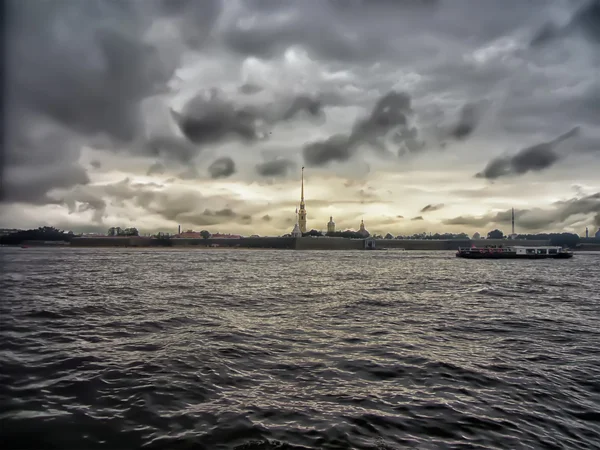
266	218
400	217
535	159
275	168
417	218
76	72
466	122
169	148
222	168
209	118
585	21
389	114
96	164
250	89
320	153
304	103
84	65
432	208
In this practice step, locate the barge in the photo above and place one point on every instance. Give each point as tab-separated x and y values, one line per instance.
513	252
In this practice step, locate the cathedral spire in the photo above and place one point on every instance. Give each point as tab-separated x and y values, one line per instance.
302	188
302	212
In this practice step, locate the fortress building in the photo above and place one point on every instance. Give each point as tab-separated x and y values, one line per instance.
362	229
296	231
302	212
331	225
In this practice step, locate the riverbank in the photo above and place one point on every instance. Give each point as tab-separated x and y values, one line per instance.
288	243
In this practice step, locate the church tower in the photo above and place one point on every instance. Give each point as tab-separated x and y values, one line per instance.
362	230
302	212
331	225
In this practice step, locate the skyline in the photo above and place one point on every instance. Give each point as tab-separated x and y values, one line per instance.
201	114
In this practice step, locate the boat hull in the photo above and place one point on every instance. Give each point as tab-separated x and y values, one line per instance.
510	255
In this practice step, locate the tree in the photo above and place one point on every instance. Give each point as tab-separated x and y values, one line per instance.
205	234
130	232
313	233
389	236
495	234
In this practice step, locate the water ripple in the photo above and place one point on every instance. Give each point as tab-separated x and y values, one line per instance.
131	348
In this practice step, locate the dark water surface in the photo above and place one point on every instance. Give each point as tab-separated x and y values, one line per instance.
172	349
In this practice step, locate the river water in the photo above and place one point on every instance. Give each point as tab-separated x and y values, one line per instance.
260	349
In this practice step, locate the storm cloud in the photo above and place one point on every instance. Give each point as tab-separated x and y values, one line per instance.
275	168
389	114
530	159
432	208
222	168
404	100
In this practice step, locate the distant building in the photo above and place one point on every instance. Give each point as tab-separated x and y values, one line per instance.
6	231
302	213
296	232
331	225
587	233
362	231
189	234
225	236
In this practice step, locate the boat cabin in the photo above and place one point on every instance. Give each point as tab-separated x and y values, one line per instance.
520	250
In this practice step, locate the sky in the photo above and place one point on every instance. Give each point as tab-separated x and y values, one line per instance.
414	115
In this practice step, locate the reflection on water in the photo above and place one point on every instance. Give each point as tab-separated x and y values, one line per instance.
123	348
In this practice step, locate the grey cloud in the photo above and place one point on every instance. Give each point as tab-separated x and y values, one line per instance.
250	89
96	164
266	218
34	185
586	21
157	168
76	74
92	75
535	159
275	168
336	148
227	212
432	208
559	214
312	106
209	118
390	113
222	168
169	148
191	173
466	122
417	218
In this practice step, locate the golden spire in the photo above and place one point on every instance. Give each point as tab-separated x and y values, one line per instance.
302	212
302	189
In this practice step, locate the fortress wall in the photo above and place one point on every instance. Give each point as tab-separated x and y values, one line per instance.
329	243
421	244
100	242
260	242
